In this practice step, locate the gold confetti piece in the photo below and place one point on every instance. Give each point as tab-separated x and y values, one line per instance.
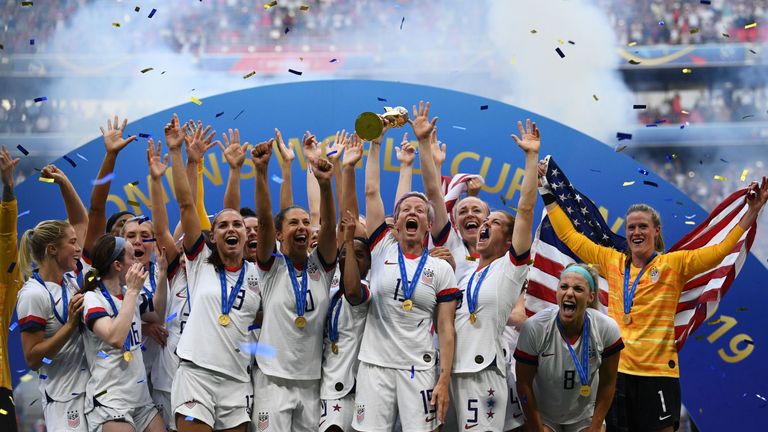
304	7
562	42
533	31
513	60
26	3
690	223
115	24
3	412
147	70
749	26
46	179
25	378
249	74
594	96
713	322
628	183
721	178
744	175
634	62
270	4
687	70
633	43
196	100
684	112
134	203
695	30
726	35
621	149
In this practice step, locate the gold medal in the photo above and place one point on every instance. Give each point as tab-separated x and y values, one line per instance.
300	322
472	318
127	356
408	305
585	390
224	320
334	348
627	318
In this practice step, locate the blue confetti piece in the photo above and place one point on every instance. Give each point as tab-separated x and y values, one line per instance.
277	179
220	114
24	213
295	72
287	30
691	216
254	326
638	107
595	170
332	153
71	162
31	41
560	52
43	376
143	348
258	349
189	418
413	372
333	60
642	171
652	125
81	157
171	317
401	23
650	183
106	179
13	326
483	107
381	99
238	114
40	99
706	2
47	361
23	150
102	354
139	382
151	14
21	371
622	136
459	128
682	126
661	23
145	135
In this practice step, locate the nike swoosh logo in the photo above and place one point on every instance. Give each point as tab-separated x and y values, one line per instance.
466	426
321	423
516	415
547	355
429	419
181	295
386	262
665	417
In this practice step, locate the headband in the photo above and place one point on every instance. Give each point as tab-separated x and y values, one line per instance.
583	272
119	246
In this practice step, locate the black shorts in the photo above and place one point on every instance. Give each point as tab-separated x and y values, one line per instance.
8	420
643	404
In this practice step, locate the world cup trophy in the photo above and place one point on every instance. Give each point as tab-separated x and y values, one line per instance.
370	125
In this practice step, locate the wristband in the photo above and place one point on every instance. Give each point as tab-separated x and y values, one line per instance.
549	198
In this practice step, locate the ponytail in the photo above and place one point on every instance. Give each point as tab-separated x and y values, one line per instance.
25	260
33	248
106	250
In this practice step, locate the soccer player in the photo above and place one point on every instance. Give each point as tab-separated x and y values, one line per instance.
479	384
409	290
114	305
644	286
50	309
559	353
295	287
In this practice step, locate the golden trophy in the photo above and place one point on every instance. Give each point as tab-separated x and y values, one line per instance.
370	125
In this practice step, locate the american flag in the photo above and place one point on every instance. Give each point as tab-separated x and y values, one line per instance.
701	294
453	188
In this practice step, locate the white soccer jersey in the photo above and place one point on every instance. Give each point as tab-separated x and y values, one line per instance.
64	376
340	368
114	382
465	262
393	337
298	352
204	341
164	368
481	343
557	382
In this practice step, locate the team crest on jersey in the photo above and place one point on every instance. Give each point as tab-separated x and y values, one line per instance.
263	421
335	281
655	275
428	276
313	271
73	419
253	283
360	412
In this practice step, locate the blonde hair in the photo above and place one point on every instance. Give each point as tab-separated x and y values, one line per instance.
592	270
34	243
659	245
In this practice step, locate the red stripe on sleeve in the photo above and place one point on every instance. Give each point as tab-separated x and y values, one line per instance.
526	358
448	294
613	349
31	323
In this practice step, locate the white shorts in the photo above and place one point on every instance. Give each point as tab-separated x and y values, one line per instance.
514	417
337	412
139	418
384	393
480	398
571	427
65	416
215	399
162	401
285	405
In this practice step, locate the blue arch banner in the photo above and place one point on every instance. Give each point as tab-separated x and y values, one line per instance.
722	365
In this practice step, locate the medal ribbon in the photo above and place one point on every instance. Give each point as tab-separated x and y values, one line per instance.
64	298
472	296
228	302
108	296
581	367
333	317
152	281
299	293
409	288
629	294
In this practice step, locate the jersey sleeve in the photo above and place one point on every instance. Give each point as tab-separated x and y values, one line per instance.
582	246
32	308
527	350
196	259
611	335
446	286
692	262
516	268
94	307
449	238
379	240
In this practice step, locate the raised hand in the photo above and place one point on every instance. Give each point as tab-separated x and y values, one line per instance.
261	154
443	253
348	225
155	161
53	172
309	145
75	310
438	149
323	170
758	194
7	165
113	136
422	126
135	277
406	153
287	155
474	185
336	149
234	153
530	137
162	262
198	141
174	133
353	151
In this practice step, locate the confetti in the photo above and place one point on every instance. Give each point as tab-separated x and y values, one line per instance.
238	114
638	106
572	42
145	135
81	157
259	349
633	43
106	179
621	149
134	183
559	52
652	125
31	41
413	372
721	178
22	149
694	30
594	96
634	62
483	107
661	23
101	394
26	378
460	128
642	171
151	14
723	160
751	342
45	179
753	51
533	31
332	153
628	183
47	361
503	201
136	9
304	7
254	326
102	354
295	72
71	162
687	70
115	24
220	114
747	116
401	23
277	179
650	183
749	26
249	74
145	70
43	376
171	317
3	412
672	156
744	175
622	136
270	4
691	216
595	170
24	213
190	418
40	99
333	60
14	324
195	100
705	2
726	35
27	3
